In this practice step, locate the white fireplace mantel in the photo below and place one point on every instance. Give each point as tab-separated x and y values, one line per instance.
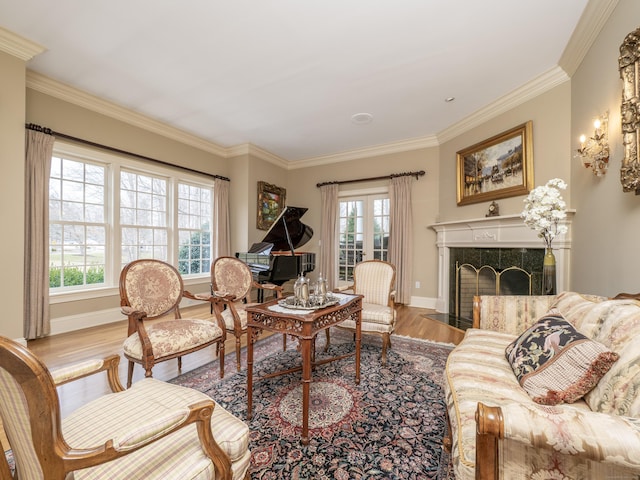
505	231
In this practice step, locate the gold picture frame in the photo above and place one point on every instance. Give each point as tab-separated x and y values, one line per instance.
271	201
499	167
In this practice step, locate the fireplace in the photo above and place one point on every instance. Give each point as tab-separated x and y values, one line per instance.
489	271
501	243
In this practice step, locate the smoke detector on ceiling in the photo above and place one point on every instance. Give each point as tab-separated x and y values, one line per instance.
362	118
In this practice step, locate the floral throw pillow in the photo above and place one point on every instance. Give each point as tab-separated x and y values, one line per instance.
554	363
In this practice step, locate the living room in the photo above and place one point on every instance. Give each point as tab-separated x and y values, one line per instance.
561	104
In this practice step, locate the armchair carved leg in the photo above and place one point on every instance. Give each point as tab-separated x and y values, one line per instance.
129	373
238	353
386	343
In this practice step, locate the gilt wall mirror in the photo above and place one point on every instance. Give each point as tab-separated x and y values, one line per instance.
630	111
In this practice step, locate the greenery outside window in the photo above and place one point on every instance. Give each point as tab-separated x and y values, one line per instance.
77	223
194	228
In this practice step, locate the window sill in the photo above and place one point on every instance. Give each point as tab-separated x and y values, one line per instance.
88	294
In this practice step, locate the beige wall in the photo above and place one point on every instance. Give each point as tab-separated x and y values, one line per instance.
607	221
551	117
247	170
12	119
239	200
303	192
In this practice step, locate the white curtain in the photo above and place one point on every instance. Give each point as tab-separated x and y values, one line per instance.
328	226
38	148
401	235
221	228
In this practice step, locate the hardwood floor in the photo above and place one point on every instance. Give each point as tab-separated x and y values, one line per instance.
99	342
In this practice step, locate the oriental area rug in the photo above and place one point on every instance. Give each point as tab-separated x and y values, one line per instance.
390	426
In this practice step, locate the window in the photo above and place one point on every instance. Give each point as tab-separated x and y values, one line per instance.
194	229
77	223
143	217
106	211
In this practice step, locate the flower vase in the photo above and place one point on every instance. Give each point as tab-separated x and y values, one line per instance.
549	273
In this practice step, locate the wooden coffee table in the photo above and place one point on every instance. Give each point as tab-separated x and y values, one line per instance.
304	324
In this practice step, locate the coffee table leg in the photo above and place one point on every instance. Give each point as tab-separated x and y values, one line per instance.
305	345
249	371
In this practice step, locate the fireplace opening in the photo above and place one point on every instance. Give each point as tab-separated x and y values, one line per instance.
487	280
491	271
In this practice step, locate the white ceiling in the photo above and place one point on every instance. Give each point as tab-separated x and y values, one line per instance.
287	75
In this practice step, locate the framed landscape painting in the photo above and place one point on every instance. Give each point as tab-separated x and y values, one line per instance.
271	201
499	167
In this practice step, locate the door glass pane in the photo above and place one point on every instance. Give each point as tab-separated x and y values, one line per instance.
380	224
351	237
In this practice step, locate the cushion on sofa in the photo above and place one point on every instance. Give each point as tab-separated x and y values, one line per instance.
554	363
616	324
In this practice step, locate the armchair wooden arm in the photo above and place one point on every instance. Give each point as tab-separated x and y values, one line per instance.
90	367
199	414
269	286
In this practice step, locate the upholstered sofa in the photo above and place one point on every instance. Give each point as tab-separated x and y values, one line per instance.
497	431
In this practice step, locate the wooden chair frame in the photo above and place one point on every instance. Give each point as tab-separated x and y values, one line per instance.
56	457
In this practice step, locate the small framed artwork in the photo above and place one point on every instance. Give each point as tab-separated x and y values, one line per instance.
499	167
271	201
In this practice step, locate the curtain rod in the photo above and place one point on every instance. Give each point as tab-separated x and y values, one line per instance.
384	177
48	131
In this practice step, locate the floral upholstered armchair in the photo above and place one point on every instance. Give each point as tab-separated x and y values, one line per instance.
152	431
231	284
152	289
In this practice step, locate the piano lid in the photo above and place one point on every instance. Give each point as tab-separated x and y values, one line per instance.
287	232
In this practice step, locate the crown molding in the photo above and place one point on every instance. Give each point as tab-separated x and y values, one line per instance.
593	19
548	80
388	148
64	92
18	46
255	151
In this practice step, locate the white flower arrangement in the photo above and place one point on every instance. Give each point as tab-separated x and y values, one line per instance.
544	208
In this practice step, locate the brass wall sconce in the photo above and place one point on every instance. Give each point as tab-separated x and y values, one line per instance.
594	151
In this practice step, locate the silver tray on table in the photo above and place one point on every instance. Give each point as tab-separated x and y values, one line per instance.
289	302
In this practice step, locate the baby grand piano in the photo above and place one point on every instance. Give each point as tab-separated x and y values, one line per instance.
274	260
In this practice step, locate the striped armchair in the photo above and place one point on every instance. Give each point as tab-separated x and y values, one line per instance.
375	280
153	430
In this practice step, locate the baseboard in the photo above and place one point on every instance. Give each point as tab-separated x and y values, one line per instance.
71	323
423	302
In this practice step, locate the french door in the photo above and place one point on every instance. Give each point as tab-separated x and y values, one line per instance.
363	232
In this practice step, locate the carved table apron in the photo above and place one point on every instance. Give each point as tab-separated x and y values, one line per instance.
304	324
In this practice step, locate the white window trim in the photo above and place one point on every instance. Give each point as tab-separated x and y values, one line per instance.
114	163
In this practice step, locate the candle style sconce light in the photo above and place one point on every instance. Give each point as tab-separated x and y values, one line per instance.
594	151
